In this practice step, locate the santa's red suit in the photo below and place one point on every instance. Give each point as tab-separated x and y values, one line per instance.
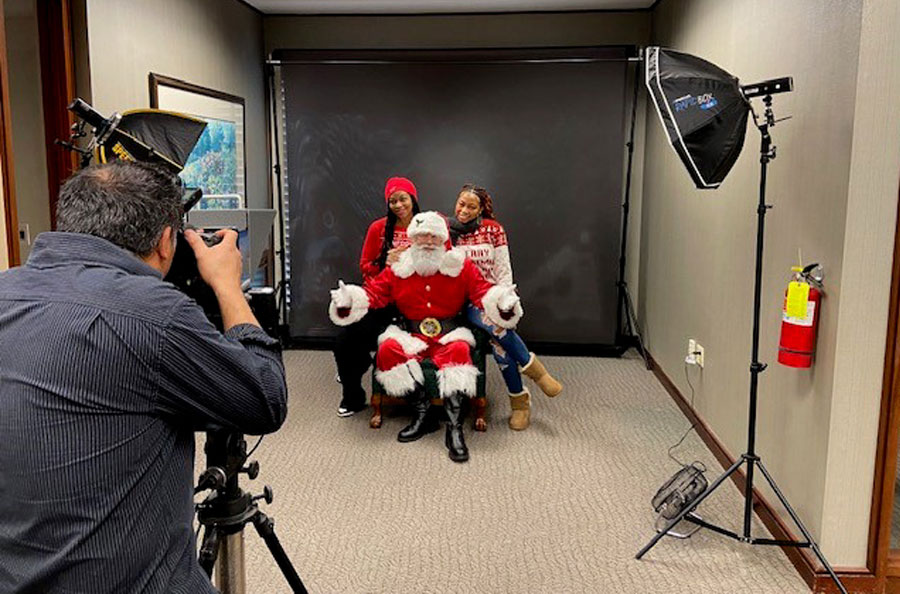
430	303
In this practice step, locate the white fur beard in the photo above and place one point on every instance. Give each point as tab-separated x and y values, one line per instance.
426	261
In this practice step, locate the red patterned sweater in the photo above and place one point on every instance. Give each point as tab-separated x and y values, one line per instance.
488	248
372	247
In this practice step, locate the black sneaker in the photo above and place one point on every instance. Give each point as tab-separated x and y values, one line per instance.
350	408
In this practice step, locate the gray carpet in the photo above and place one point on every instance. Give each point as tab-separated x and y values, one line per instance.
559	508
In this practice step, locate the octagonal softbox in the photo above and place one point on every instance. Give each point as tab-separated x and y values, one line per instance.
702	109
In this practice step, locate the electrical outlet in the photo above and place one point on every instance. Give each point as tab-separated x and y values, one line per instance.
691	359
25	233
698	353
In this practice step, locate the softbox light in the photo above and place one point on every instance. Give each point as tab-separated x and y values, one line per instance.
152	136
702	109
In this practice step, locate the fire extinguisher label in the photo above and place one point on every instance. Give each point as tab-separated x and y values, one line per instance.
797	298
805	321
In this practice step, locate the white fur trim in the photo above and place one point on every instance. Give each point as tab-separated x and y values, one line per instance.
452	262
416	370
410	344
462	333
457	378
502	294
429	222
403	267
352	296
401	379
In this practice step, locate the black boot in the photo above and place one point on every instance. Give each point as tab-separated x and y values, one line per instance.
453	439
423	423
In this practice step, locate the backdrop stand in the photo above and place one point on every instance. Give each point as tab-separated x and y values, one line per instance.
750	458
628	334
281	254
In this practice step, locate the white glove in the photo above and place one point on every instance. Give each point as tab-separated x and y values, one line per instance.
341	297
349	304
502	306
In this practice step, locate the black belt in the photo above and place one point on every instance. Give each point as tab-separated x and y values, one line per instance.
432	327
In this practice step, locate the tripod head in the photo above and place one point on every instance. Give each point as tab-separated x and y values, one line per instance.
227	504
227	509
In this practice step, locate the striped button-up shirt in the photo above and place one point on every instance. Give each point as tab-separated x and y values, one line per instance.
105	373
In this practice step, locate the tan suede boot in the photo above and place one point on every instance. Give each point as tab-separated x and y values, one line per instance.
521	411
537	372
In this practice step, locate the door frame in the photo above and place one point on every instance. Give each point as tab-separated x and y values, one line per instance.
6	154
880	558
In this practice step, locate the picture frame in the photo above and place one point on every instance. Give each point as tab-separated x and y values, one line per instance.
218	163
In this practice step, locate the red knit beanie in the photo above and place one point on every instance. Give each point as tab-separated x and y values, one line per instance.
395	184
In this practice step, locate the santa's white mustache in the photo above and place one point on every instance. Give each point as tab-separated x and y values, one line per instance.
426	259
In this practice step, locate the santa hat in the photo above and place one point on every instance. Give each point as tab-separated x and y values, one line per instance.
399	184
428	222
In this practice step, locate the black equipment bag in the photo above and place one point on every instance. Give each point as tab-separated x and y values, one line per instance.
680	491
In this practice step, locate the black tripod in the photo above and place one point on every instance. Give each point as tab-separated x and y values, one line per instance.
625	315
767	153
227	509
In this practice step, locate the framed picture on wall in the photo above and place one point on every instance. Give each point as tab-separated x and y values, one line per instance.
217	163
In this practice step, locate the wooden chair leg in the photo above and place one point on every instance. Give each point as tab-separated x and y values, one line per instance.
375	421
479	408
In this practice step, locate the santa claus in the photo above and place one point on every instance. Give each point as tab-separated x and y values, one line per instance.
430	285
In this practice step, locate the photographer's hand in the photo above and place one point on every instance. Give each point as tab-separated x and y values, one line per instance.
220	267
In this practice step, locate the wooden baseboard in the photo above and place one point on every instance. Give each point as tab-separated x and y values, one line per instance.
857	580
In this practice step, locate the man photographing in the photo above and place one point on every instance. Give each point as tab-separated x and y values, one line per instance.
105	373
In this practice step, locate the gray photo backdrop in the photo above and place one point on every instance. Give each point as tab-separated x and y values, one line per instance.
545	137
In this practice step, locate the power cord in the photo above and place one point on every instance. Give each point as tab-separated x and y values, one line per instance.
693	425
253	449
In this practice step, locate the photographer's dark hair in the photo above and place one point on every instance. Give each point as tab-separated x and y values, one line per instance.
388	239
124	202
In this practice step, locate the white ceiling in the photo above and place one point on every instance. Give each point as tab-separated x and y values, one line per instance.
438	6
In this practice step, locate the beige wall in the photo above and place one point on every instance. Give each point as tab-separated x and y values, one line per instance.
816	427
26	109
213	43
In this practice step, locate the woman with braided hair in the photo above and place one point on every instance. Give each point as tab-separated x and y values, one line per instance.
385	240
475	230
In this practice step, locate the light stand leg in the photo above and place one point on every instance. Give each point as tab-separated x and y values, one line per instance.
803	530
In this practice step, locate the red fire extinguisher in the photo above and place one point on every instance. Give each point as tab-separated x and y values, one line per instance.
800	317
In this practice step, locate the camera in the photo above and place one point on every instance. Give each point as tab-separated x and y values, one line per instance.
165	139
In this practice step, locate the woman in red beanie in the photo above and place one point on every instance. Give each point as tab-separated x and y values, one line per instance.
385	240
483	239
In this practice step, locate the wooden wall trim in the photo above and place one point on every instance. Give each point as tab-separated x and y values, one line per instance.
6	153
57	91
855	579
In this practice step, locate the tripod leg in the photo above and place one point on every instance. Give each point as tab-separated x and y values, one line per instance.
230	573
689	509
265	526
806	534
209	550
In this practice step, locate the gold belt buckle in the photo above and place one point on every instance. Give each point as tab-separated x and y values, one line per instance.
430	327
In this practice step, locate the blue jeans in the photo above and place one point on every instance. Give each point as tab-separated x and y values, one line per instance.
509	349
